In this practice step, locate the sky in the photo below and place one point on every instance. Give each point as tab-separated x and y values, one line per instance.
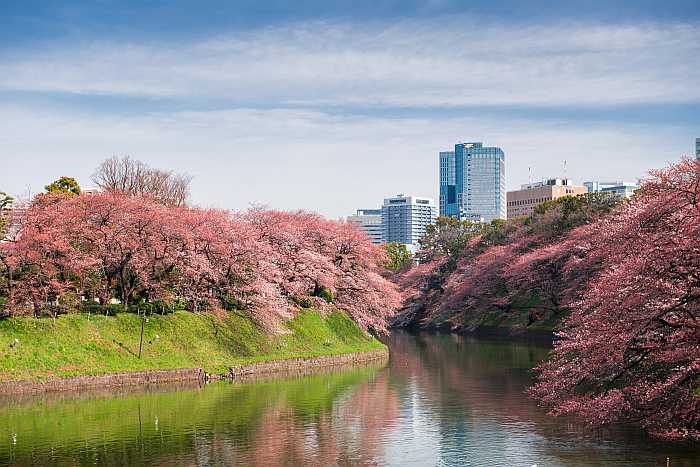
333	106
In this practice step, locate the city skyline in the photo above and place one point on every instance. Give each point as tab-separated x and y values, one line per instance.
349	103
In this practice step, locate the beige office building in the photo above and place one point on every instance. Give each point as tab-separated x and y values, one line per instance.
522	202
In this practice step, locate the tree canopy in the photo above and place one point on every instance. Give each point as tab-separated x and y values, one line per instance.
135	178
5	207
115	246
630	349
398	256
66	185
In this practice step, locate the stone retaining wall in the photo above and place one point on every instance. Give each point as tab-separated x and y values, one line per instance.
143	378
113	380
293	364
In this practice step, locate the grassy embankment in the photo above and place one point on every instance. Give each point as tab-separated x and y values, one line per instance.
79	344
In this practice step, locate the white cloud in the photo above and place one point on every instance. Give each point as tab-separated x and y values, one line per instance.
337	162
309	159
444	62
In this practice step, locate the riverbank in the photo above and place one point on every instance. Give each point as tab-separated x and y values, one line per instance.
88	351
492	323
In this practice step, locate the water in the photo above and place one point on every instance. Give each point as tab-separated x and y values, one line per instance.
442	400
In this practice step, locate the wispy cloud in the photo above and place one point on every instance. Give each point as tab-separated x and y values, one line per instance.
310	159
272	115
419	63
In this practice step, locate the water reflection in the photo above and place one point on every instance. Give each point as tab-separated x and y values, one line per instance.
442	400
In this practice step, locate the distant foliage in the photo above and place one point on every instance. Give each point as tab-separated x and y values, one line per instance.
65	185
6	202
447	236
398	256
142	252
631	348
557	217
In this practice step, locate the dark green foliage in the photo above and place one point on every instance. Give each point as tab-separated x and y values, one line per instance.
499	232
304	302
67	185
326	294
228	303
556	217
448	237
399	256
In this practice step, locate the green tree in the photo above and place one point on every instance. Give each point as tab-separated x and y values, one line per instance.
556	217
500	231
66	185
5	208
399	256
447	236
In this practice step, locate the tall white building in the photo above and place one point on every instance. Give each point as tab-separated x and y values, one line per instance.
404	219
369	221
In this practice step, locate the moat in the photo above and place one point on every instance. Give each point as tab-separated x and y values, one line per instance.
441	400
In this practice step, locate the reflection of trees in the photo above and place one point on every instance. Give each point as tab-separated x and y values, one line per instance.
470	392
293	421
482	376
475	387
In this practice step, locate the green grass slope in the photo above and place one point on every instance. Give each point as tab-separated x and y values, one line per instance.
79	344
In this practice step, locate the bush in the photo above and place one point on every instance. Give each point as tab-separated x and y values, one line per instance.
326	294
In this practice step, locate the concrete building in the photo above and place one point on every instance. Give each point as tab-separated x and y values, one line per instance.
522	202
370	221
625	189
404	219
472	182
697	148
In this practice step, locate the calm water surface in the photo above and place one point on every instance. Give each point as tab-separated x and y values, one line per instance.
441	400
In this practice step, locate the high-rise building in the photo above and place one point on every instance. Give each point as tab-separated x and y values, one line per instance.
522	202
369	221
404	219
473	182
624	189
448	187
697	148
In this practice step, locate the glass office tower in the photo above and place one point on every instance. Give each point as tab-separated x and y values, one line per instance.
448	193
473	183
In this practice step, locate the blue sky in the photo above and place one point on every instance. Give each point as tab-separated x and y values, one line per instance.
331	106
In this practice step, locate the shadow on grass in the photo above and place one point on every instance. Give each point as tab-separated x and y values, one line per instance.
125	348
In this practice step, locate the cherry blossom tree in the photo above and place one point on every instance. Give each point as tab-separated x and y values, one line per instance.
140	251
631	348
